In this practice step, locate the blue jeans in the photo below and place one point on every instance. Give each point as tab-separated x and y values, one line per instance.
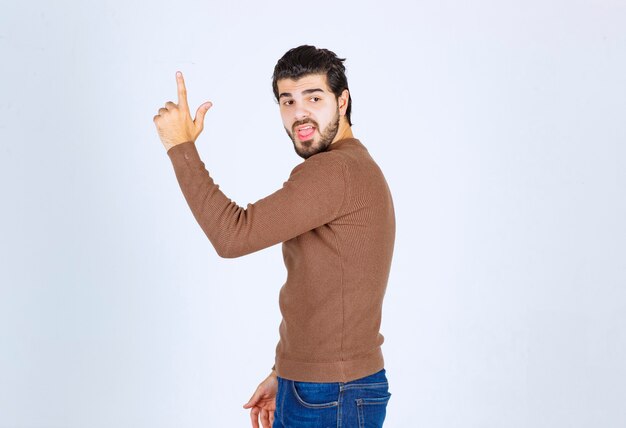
360	403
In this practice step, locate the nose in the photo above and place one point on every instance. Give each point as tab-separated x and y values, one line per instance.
301	113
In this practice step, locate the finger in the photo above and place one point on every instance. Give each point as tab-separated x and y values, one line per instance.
271	418
253	400
170	105
254	417
256	396
182	91
199	120
265	418
163	110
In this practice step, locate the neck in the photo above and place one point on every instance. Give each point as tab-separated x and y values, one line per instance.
344	131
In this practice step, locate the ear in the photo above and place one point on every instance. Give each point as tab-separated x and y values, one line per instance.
342	102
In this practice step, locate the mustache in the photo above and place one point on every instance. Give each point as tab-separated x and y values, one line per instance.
302	122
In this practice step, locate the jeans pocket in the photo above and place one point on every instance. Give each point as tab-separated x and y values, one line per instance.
372	410
316	395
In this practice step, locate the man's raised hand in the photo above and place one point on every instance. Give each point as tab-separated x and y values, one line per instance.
174	123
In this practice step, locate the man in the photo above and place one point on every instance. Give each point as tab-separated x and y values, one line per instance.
335	218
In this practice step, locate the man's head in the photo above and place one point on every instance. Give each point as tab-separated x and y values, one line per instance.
311	88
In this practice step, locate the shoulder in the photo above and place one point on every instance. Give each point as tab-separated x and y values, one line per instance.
325	164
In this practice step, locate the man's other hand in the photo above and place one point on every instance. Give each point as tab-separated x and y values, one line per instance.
263	402
174	123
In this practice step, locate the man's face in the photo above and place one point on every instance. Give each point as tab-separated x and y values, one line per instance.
310	113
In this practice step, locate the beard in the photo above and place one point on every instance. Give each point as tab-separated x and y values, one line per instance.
306	149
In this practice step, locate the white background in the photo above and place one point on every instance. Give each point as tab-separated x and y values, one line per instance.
501	129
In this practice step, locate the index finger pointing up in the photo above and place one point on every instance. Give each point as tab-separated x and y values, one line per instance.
182	91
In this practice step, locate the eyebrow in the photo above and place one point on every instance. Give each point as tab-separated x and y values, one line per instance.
305	92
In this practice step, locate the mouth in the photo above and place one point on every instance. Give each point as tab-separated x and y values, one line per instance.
305	132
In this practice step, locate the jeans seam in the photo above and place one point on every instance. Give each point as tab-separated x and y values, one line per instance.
340	408
282	406
372	401
359	412
366	385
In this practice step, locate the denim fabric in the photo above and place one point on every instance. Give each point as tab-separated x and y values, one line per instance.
360	403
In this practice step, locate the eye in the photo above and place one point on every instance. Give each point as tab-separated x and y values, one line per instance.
315	99
288	102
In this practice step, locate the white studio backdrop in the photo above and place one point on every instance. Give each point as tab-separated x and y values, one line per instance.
499	125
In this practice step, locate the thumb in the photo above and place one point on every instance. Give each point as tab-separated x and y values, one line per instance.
200	113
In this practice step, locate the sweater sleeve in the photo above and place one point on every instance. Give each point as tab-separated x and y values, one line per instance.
311	197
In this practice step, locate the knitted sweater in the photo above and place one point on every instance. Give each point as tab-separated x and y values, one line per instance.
335	218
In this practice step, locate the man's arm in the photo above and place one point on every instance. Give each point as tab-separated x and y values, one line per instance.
311	197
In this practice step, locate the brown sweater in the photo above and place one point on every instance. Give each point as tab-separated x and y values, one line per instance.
335	218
